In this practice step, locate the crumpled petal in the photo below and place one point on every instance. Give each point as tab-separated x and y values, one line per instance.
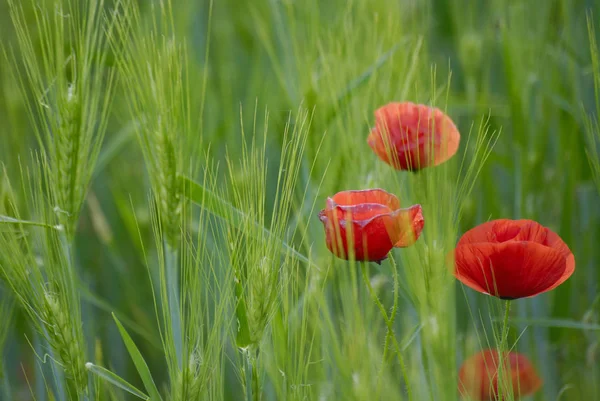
408	226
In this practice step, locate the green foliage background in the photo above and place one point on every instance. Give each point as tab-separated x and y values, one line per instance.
228	123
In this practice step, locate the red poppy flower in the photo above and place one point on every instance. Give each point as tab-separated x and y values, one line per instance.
376	221
512	259
478	376
406	134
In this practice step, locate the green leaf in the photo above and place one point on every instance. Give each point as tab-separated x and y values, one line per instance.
115	380
140	363
219	207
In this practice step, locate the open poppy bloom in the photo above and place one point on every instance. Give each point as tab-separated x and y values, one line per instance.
512	259
411	136
376	221
478	376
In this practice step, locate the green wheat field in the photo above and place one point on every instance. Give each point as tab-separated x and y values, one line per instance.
162	168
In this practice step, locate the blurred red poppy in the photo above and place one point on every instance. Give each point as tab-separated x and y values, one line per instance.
512	259
376	220
411	136
478	376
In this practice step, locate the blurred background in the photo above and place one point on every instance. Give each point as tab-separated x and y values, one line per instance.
520	71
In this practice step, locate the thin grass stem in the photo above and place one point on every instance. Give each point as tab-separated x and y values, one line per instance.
57	373
66	247
389	332
256	393
390	328
39	342
250	376
502	375
6	389
172	281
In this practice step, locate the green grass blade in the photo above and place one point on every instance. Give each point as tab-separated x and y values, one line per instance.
414	334
559	323
101	304
114	146
350	90
172	282
115	380
40	384
6	313
140	363
6	389
348	93
243	338
591	121
12	220
219	207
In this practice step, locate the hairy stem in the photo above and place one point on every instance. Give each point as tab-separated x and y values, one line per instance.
502	375
389	323
389	333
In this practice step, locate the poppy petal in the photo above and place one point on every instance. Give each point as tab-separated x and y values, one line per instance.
478	375
357	197
512	258
361	214
406	133
509	270
369	241
408	226
368	223
485	232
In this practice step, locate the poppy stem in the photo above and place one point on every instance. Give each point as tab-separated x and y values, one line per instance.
389	321
389	333
505	323
502	375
